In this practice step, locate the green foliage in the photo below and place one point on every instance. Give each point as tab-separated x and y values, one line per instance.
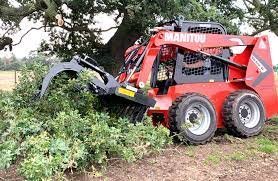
64	131
9	150
134	18
275	68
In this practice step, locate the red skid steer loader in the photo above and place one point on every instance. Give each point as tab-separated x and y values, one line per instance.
197	78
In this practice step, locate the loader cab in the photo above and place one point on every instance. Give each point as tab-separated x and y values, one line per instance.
176	66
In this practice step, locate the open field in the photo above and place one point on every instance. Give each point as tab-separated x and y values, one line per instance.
7	80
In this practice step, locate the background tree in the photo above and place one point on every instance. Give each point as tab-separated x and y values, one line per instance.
132	19
262	15
14	63
275	68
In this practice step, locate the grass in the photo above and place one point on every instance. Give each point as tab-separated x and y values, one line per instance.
7	80
275	120
237	156
267	146
267	142
213	159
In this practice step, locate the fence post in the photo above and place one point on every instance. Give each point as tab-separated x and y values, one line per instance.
15	81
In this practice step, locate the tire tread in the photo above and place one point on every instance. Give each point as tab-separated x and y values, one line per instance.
174	111
227	113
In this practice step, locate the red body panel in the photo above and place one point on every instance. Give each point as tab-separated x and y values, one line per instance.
259	76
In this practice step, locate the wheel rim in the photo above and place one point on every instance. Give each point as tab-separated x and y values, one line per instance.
249	113
197	119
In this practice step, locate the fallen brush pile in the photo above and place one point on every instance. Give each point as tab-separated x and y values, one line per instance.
65	130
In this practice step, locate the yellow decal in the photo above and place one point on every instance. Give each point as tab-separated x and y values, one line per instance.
126	92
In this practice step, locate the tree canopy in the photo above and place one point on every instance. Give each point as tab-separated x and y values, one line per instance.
132	19
275	68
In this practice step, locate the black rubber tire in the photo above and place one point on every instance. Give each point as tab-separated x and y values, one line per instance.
176	119
231	113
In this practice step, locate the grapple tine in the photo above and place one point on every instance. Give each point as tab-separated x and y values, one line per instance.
72	66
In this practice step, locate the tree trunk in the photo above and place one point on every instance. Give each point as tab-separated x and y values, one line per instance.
124	37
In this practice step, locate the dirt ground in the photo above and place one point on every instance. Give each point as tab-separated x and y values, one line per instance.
225	158
175	165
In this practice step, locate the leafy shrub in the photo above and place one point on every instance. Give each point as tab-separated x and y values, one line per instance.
63	130
8	152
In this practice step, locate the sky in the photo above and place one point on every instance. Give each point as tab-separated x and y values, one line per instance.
33	40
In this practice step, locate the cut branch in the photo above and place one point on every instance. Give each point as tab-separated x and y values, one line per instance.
111	28
254	18
85	28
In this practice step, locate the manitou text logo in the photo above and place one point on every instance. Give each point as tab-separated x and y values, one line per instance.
185	37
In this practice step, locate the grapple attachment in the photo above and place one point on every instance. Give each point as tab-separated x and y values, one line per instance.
127	100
